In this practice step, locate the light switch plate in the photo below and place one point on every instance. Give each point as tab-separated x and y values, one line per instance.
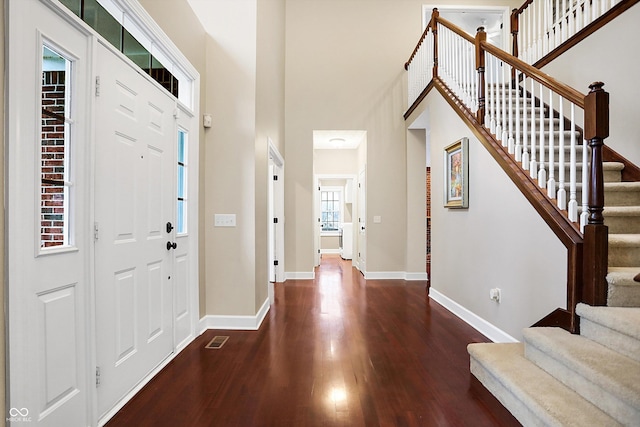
224	220
377	219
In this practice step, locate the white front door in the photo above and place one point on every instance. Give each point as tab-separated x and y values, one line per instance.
135	199
47	220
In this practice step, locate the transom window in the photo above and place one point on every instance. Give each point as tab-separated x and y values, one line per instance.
103	21
330	208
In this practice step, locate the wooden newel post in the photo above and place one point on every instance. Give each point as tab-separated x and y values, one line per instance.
514	47
481	37
596	129
434	28
514	32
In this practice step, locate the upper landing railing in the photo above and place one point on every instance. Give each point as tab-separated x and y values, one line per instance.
540	26
537	121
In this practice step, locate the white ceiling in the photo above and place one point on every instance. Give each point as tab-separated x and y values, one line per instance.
338	139
471	18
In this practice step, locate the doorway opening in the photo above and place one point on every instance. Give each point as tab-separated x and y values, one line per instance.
338	159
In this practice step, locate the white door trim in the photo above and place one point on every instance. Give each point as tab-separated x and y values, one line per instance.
275	233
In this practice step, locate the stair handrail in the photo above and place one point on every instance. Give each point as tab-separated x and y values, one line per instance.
543	29
484	96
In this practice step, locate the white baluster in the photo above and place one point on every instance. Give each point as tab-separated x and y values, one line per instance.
534	30
473	75
545	28
562	193
467	75
523	40
577	16
525	126
542	172
499	96
557	26
511	144
551	183
505	136
494	109
529	35
487	91
518	154
572	18
586	13
573	203
584	215
533	164
565	24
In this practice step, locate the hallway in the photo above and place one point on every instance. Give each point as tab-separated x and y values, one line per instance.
338	350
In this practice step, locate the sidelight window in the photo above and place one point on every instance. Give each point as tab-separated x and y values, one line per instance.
181	223
55	149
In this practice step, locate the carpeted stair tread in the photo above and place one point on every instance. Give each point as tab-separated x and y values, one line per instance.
533	396
623	291
606	378
615	327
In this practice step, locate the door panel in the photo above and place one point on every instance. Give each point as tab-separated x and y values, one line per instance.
135	164
47	295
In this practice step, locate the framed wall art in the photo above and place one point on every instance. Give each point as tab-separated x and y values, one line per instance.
456	174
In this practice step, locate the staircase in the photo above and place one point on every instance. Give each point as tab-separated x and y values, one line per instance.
554	378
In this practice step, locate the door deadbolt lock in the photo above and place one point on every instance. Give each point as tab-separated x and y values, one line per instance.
169	227
171	245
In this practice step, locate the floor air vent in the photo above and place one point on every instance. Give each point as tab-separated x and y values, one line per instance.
217	342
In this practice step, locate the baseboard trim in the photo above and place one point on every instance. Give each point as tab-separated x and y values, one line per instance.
394	275
299	275
330	251
416	276
476	322
384	275
237	323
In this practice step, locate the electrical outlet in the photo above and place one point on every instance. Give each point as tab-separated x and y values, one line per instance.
495	294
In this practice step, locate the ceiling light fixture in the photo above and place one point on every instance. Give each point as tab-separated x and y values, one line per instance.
337	142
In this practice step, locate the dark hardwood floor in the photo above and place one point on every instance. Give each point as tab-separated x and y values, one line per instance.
338	350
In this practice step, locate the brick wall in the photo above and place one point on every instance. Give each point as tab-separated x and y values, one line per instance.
52	156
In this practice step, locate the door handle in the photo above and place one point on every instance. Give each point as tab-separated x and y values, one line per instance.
171	245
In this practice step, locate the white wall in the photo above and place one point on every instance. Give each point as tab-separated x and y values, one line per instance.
499	241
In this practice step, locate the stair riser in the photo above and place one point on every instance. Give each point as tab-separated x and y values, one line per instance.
614	340
519	410
623	256
622	198
622	224
600	397
624	295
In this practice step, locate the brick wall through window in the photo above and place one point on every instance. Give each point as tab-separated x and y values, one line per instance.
52	157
